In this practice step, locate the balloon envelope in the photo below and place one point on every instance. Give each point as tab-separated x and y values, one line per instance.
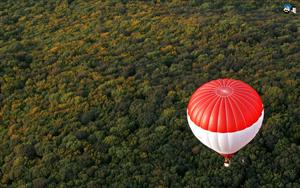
225	115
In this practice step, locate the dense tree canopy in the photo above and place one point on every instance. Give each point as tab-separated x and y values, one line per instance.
94	93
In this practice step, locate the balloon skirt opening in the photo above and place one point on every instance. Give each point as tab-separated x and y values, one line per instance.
229	156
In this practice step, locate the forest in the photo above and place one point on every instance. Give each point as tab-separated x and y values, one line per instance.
94	93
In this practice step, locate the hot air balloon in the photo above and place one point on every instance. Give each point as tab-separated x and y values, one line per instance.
225	115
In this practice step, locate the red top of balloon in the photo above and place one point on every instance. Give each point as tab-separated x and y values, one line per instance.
225	105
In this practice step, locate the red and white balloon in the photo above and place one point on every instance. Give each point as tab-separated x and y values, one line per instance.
225	115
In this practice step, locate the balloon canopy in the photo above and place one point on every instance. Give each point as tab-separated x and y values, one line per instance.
225	115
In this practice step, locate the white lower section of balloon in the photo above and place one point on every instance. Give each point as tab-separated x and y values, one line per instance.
226	143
